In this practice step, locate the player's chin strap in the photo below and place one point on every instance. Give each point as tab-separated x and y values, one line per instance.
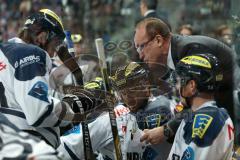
188	99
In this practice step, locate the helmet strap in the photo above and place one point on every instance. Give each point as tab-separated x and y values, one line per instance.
44	46
48	37
188	98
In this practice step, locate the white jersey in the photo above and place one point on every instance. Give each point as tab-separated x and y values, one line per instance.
100	134
16	144
25	91
102	141
207	134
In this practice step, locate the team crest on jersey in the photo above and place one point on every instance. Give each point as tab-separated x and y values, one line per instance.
153	121
188	154
39	91
200	125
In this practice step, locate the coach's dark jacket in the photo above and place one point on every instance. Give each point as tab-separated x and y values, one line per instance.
182	46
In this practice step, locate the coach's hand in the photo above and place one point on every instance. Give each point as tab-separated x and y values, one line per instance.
153	136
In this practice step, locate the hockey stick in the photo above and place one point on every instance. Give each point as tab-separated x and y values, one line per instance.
116	139
72	65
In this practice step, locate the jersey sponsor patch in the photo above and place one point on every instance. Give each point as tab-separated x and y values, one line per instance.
200	125
2	66
39	91
188	154
75	130
26	61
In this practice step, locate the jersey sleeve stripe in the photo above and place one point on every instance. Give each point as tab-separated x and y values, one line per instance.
39	135
12	112
52	131
70	152
62	114
44	116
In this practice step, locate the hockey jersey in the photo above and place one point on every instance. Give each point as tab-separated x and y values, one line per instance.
16	144
206	134
25	92
155	114
130	128
100	134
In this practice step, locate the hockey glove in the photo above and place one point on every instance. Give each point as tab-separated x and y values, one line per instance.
79	104
92	99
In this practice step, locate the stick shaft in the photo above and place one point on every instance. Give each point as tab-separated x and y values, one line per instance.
103	64
88	151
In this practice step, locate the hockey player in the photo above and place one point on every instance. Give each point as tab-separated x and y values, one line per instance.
206	133
133	86
139	111
24	84
99	127
165	48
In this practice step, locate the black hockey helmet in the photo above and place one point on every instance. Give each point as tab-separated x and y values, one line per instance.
46	20
203	68
128	75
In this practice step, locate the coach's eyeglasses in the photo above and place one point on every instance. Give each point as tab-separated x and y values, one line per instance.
143	45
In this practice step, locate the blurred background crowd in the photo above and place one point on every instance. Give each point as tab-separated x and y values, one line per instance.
114	20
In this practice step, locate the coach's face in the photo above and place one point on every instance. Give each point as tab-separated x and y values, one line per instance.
150	49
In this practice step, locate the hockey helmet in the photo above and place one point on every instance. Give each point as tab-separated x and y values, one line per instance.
128	75
202	68
46	20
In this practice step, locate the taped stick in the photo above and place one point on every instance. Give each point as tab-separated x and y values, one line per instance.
103	64
69	61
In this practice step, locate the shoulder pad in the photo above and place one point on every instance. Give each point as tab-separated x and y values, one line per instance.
28	60
204	126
